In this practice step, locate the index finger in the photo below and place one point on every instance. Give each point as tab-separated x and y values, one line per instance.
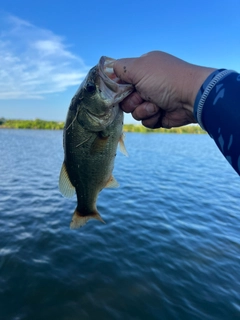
130	103
122	69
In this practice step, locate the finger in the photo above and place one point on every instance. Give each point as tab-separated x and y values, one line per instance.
155	121
177	118
122	69
130	103
145	110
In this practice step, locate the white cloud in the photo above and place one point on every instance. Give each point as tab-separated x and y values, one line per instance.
34	61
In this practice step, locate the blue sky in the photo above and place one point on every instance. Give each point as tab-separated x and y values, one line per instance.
46	47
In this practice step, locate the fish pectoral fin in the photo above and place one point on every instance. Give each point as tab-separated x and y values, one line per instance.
65	186
122	145
99	143
79	220
82	142
112	183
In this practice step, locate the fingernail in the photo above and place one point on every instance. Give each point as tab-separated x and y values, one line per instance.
151	108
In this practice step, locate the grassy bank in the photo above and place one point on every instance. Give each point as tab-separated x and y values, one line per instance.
31	124
196	129
54	125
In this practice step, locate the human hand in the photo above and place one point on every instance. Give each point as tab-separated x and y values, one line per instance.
165	88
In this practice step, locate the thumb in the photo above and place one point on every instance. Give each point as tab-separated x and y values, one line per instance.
123	69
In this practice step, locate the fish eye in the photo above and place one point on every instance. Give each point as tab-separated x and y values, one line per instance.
90	87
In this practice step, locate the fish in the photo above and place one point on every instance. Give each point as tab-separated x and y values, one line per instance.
93	129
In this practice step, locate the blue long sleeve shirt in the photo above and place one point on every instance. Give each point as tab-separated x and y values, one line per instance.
217	110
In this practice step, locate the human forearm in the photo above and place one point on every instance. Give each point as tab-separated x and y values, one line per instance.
217	110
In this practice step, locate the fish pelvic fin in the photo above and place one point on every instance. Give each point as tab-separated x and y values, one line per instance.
65	186
112	183
122	145
79	220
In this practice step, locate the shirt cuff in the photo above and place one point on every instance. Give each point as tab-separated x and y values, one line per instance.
204	91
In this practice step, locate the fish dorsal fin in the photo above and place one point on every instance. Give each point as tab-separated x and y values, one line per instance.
65	186
122	145
112	183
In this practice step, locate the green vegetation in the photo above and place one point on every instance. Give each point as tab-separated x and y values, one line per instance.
185	129
53	125
31	124
2	121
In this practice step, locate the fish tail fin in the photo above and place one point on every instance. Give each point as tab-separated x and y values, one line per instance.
79	220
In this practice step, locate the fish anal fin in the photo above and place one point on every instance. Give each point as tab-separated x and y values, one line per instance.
112	183
65	186
79	220
122	145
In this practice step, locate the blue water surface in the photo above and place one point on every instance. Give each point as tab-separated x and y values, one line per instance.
170	248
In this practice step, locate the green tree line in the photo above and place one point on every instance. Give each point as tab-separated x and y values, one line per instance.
31	124
54	125
196	129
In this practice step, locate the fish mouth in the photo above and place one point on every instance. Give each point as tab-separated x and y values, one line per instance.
112	87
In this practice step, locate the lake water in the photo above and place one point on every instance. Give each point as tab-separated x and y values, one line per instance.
170	248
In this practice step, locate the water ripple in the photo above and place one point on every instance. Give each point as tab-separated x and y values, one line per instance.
169	248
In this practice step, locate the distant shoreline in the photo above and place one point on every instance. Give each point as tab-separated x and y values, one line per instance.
55	125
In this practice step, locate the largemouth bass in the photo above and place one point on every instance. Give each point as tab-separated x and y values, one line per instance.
92	131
